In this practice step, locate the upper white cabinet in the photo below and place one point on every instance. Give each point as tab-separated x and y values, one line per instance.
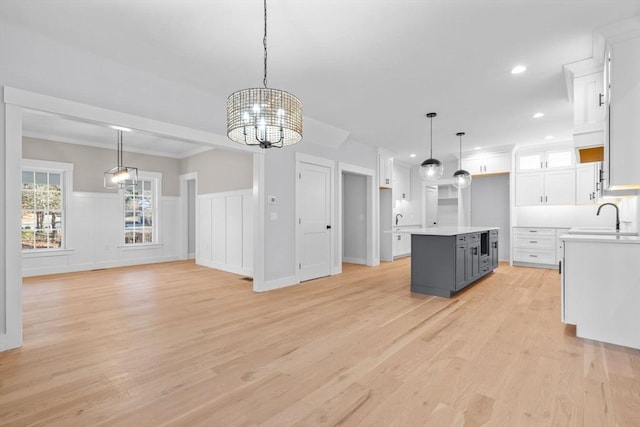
561	158
588	103
385	168
588	186
553	187
546	177
622	126
401	182
487	163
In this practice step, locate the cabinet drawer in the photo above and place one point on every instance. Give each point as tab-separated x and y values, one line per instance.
493	233
535	242
484	261
535	256
473	237
461	239
522	231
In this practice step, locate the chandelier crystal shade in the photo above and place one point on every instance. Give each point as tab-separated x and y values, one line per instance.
264	117
121	176
461	177
431	169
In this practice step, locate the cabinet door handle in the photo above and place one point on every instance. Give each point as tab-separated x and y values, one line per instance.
546	199
590	196
540	199
533	241
600	99
559	267
533	256
541	165
533	231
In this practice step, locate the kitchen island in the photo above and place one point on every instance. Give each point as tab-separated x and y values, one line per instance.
444	260
601	287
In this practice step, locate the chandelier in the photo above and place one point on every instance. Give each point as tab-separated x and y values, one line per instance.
121	176
263	116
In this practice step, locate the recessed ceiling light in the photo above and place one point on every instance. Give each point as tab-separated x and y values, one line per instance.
548	137
412	155
538	115
518	69
477	148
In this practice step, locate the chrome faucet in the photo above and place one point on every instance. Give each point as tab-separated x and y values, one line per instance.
617	214
398	215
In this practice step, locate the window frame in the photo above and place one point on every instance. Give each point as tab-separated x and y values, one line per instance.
66	179
156	192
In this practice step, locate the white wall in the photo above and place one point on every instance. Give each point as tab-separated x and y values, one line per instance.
279	234
225	231
354	219
490	208
94	238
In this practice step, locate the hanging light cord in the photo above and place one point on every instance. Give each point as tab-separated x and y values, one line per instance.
264	43
431	138
119	150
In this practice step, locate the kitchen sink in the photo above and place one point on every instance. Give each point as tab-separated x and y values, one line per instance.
602	231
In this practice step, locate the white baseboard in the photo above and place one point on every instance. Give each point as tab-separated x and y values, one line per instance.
8	343
282	282
224	267
95	266
354	260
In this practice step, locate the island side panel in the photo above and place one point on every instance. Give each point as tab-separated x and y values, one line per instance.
433	265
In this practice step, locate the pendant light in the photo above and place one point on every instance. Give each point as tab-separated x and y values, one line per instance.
121	176
461	178
264	117
431	169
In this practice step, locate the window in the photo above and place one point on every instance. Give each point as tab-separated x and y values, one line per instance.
43	204
141	210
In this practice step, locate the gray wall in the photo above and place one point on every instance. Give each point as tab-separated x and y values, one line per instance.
354	218
220	170
89	164
490	207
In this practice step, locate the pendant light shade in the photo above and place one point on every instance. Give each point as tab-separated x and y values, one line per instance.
264	117
461	178
431	169
121	176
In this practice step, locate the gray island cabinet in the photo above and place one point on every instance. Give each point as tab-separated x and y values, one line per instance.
444	260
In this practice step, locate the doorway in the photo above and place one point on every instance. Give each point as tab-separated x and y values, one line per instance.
357	216
188	196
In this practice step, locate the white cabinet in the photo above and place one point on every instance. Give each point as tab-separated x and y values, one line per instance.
588	186
534	245
401	182
401	244
545	160
622	149
588	102
551	187
487	163
538	246
385	169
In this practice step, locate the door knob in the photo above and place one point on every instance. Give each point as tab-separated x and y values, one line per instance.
328	227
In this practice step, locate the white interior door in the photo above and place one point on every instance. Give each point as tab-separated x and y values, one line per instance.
314	208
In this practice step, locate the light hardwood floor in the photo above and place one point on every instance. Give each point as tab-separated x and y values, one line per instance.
178	344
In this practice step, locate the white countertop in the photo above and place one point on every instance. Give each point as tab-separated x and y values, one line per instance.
635	240
443	231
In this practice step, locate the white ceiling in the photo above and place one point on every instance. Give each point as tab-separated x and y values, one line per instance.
370	67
